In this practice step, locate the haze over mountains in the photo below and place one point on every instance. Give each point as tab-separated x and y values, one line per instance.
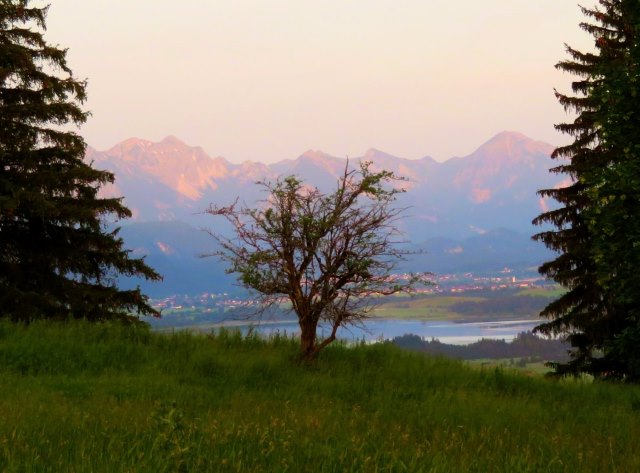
484	201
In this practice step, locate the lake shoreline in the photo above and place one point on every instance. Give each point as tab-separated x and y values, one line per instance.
379	329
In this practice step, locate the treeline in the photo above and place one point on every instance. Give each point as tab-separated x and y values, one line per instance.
526	344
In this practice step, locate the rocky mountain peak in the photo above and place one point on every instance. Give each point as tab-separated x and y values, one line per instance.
172	140
313	155
373	154
127	146
509	147
497	183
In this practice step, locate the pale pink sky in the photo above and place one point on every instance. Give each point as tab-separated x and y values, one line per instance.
266	80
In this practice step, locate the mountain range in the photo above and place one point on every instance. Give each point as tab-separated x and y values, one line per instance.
488	196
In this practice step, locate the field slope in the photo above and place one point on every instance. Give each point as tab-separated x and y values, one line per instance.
103	398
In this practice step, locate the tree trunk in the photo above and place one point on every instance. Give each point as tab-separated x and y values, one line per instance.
308	339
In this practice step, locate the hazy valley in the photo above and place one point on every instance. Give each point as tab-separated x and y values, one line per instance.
467	214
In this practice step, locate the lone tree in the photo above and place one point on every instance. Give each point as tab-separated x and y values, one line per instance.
57	258
597	228
328	254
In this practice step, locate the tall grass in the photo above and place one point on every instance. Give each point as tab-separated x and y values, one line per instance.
83	397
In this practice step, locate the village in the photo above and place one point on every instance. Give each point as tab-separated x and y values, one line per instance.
453	284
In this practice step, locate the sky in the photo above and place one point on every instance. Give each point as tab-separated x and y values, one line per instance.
266	80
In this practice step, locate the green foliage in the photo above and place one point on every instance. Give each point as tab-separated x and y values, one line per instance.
232	404
597	231
328	254
57	258
525	344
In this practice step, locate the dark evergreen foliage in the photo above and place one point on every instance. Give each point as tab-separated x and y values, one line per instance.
525	344
57	258
597	228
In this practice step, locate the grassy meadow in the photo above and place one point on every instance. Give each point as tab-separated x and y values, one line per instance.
489	305
432	307
105	398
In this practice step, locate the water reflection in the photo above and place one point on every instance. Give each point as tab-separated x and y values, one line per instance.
384	329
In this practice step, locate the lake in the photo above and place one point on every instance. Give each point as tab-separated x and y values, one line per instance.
384	329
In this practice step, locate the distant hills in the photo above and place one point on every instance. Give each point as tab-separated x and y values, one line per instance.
467	212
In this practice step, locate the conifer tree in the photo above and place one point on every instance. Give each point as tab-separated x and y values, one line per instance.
597	227
58	260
